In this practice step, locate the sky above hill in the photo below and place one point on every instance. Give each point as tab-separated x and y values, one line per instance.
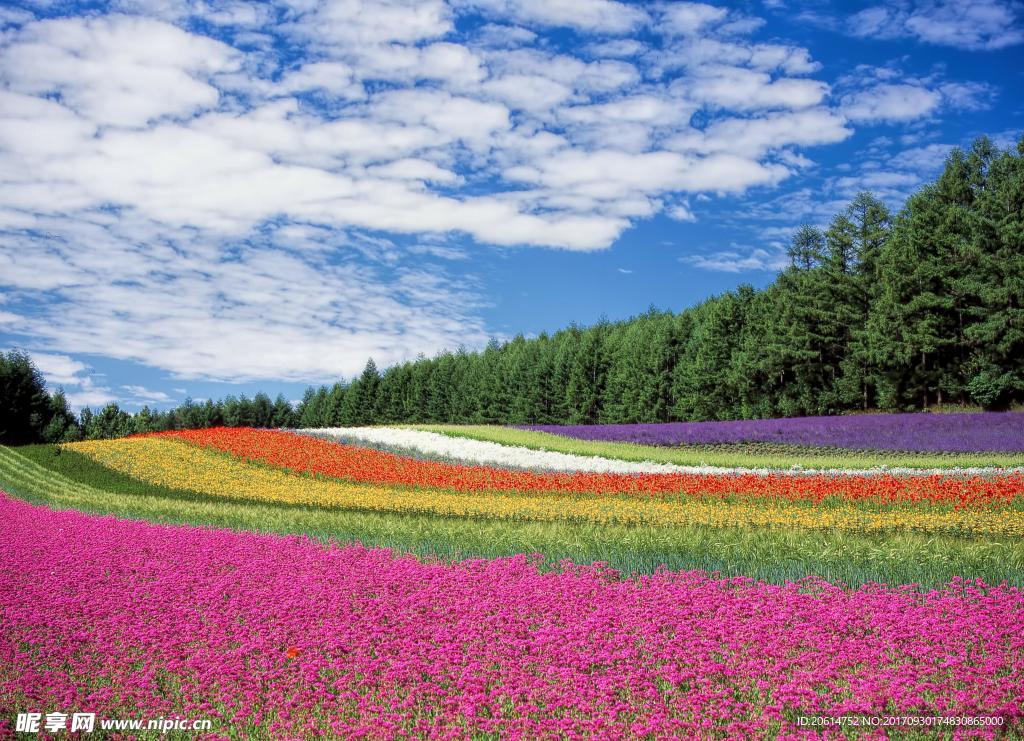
202	198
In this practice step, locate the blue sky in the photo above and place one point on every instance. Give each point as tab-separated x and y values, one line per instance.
200	198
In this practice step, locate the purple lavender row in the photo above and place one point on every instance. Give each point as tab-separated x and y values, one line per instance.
960	433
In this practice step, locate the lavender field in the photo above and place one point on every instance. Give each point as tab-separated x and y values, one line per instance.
961	433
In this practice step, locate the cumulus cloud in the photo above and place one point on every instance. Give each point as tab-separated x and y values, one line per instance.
967	24
689	18
885	94
887	102
59	369
605	16
119	70
740	260
252	312
234	191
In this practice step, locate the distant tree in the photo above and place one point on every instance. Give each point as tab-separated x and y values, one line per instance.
361	398
282	414
587	375
145	421
24	404
111	421
62	426
807	248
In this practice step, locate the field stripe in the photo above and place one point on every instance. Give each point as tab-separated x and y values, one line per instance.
776	555
683	456
178	465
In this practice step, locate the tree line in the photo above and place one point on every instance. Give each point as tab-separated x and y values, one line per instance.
31	414
876	311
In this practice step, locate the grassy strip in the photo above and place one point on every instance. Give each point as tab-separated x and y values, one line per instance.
719	456
774	555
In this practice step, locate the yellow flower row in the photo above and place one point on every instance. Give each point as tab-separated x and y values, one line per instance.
176	464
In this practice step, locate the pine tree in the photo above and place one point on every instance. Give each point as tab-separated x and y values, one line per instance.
62	426
24	404
994	372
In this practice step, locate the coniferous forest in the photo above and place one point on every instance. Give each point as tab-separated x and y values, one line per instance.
876	311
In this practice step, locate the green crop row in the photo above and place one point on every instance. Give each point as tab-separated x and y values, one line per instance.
742	456
772	555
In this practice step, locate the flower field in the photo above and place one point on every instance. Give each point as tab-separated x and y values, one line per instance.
285	637
963	433
462	583
737	454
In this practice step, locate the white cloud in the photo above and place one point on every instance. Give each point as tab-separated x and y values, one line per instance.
117	70
605	16
967	96
689	18
333	24
891	102
753	137
967	24
335	78
162	193
93	397
621	48
138	394
59	369
926	159
681	212
238	315
743	89
504	36
740	260
885	94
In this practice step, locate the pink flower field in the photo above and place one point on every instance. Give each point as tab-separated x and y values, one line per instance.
287	638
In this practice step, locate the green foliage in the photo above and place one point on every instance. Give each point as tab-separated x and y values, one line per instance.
27	413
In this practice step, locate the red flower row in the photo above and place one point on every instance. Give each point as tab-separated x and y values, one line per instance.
316	456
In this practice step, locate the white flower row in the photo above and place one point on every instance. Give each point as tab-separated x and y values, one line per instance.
479	452
484	453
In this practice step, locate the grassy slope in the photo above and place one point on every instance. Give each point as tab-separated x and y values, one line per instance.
40	476
721	455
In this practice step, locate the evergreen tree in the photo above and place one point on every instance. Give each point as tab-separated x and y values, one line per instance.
110	422
62	426
24	403
282	415
587	376
994	370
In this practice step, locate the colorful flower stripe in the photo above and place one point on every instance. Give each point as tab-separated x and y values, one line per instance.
739	456
312	455
465	450
480	452
172	462
966	433
69	480
283	638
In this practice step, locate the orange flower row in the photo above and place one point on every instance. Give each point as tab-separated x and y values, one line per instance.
321	457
